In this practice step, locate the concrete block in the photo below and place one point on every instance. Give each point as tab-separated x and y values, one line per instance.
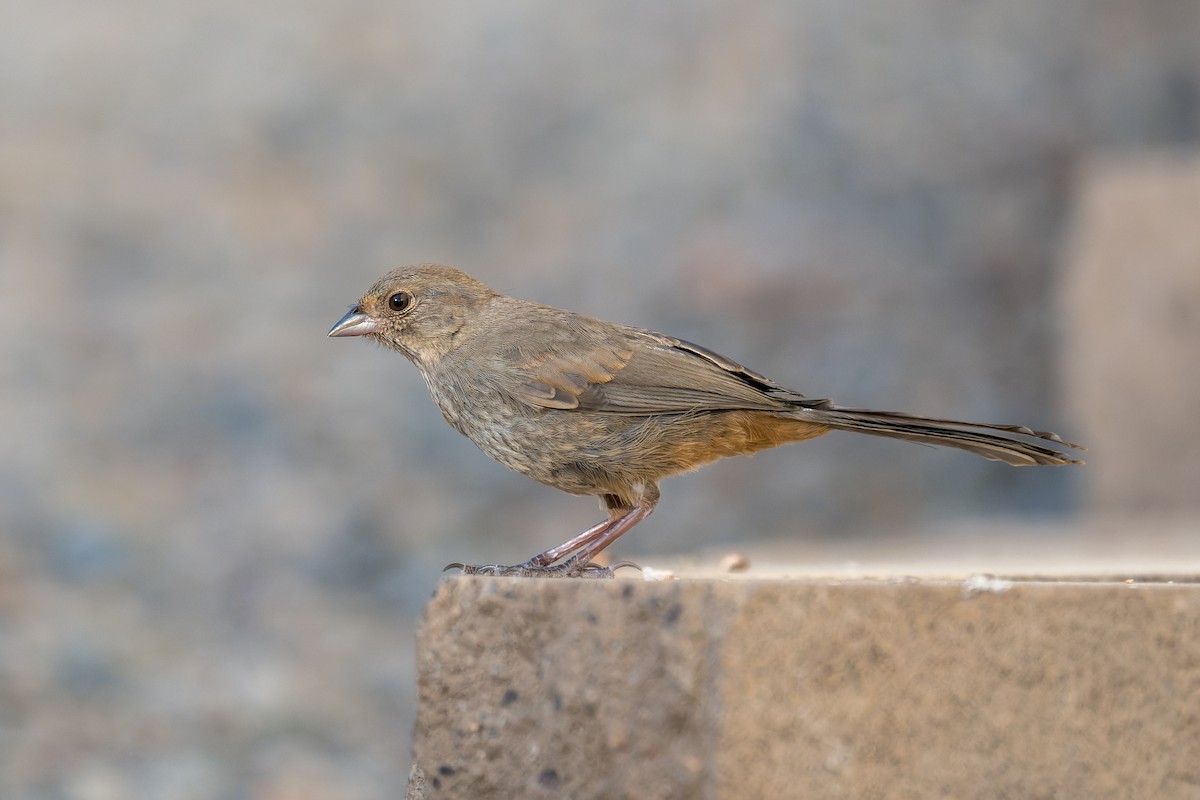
751	688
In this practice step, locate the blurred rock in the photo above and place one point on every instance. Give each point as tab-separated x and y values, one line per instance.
82	550
1131	332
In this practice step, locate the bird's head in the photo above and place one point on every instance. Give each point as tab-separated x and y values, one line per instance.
416	310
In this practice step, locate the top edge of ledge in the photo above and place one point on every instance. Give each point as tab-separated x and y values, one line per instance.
970	582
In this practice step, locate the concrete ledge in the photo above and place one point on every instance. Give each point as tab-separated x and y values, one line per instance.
750	688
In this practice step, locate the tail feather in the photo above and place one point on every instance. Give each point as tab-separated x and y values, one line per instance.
974	437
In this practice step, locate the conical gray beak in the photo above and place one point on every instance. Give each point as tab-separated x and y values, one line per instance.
355	323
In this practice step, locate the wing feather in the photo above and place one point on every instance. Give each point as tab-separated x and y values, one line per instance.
639	372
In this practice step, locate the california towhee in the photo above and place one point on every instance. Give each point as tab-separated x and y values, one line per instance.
593	407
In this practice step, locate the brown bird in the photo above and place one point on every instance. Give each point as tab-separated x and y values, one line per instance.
596	408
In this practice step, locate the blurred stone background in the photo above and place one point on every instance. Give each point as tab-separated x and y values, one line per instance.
217	527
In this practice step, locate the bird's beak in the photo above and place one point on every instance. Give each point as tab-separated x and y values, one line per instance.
355	323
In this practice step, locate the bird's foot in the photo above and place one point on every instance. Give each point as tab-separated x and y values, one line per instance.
566	569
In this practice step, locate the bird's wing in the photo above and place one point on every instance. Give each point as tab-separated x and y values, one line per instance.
668	375
641	372
553	356
557	379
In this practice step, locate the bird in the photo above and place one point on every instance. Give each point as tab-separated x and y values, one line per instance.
598	408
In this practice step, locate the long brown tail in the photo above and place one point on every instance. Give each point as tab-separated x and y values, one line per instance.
973	437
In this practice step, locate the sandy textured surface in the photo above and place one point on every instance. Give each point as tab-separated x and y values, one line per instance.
706	688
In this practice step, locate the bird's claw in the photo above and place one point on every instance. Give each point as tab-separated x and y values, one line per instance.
567	569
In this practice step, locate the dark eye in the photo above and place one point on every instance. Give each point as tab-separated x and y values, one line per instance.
400	301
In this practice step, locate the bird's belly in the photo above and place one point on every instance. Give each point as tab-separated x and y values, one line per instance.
585	452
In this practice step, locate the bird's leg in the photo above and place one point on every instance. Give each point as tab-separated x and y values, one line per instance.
548	557
585	546
580	564
539	565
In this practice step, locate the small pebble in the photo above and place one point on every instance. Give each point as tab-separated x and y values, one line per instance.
652	574
735	562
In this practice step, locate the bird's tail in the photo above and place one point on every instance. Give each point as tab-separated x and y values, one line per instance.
1005	443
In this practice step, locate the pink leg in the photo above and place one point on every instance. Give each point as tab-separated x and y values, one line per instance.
606	537
585	546
566	548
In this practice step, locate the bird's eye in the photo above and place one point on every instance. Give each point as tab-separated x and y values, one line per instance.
400	301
